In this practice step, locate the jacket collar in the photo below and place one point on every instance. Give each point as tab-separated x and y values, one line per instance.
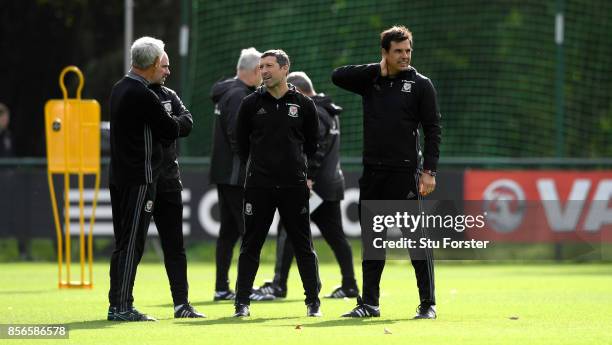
263	91
243	84
407	73
135	76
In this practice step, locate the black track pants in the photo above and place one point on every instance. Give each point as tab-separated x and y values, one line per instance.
132	210
394	185
259	207
328	218
232	227
168	217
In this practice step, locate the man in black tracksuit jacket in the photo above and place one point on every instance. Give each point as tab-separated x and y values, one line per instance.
226	168
139	126
328	182
227	171
396	100
277	127
168	210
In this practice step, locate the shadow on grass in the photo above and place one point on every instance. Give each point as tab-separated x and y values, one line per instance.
340	322
25	292
92	324
230	320
103	323
231	302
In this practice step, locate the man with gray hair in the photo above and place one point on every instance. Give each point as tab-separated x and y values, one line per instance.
226	170
139	125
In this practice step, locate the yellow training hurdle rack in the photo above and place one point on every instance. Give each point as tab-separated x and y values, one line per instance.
72	128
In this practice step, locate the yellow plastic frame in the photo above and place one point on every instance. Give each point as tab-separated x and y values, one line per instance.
72	128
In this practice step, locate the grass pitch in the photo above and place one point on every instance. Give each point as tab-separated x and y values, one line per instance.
477	304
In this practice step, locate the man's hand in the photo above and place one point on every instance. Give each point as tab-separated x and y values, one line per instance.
383	67
427	184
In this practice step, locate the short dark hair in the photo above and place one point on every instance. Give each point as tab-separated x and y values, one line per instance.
395	34
281	57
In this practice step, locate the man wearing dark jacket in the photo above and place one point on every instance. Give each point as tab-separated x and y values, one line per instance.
226	168
139	126
396	100
168	210
327	182
277	128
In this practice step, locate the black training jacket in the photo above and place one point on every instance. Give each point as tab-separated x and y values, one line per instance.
393	109
274	135
324	165
138	125
170	176
225	164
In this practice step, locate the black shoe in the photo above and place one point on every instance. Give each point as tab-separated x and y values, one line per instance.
228	295
269	288
363	310
242	310
257	295
313	310
129	315
341	292
187	312
425	311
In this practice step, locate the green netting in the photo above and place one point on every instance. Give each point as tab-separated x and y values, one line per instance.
494	64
